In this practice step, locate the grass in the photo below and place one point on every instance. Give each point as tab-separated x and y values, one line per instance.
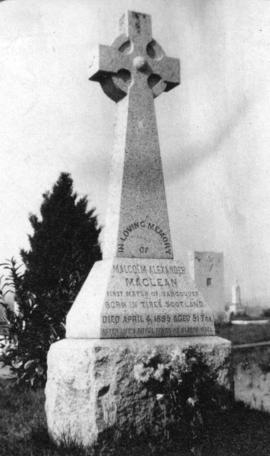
239	431
244	334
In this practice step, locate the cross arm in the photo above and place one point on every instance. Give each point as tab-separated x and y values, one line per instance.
107	60
168	68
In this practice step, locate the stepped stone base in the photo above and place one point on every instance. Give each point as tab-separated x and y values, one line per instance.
92	384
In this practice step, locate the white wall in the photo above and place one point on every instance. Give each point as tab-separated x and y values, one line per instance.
207	270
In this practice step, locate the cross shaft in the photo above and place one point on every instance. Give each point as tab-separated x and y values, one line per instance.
137	223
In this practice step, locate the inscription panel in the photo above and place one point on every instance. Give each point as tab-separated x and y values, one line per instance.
143	238
153	298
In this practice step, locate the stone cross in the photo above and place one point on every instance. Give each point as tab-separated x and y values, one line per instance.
138	299
139	289
135	65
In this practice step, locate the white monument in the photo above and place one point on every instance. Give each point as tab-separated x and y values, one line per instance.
236	307
139	298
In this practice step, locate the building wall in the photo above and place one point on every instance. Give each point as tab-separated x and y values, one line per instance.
207	270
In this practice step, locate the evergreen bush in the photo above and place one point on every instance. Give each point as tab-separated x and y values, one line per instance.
63	248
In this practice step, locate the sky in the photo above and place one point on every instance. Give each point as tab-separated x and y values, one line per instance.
213	128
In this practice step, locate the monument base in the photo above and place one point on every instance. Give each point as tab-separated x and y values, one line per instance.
93	384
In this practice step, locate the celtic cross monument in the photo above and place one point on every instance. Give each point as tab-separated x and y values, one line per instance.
139	289
139	298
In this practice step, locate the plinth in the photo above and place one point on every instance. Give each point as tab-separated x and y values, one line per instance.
92	386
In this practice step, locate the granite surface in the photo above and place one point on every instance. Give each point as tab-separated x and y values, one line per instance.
139	290
137	223
92	385
139	298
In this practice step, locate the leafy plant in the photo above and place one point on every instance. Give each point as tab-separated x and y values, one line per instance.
30	332
63	248
184	386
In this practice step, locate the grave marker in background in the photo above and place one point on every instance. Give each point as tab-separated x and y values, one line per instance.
207	271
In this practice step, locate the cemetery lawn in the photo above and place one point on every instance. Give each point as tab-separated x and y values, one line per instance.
244	334
240	431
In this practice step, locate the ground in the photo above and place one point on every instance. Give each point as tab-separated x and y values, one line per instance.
234	432
244	334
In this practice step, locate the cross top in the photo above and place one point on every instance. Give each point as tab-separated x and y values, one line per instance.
134	59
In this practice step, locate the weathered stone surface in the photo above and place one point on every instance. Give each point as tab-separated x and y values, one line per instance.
207	271
138	290
146	302
91	385
139	298
135	65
